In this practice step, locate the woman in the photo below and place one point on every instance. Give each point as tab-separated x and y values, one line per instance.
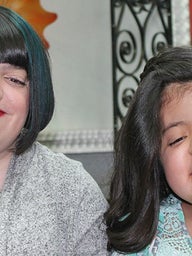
49	205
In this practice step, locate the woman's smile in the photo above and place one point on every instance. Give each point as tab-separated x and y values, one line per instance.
2	113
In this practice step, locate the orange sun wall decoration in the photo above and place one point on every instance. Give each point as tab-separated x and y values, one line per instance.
32	11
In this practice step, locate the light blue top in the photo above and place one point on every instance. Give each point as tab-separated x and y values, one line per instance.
172	237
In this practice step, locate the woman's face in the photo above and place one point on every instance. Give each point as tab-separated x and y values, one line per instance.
176	148
14	104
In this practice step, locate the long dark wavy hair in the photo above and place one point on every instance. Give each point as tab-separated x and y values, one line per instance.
138	184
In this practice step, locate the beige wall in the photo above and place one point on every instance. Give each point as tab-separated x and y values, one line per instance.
80	41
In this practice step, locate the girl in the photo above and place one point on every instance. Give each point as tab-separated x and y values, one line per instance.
150	209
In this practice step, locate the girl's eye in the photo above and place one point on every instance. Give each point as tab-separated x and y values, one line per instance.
177	141
15	81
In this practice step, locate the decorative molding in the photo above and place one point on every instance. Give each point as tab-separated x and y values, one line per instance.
181	22
32	11
80	141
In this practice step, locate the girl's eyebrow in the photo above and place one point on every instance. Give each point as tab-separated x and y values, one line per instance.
174	124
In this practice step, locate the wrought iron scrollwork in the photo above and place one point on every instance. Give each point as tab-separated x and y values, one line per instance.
140	28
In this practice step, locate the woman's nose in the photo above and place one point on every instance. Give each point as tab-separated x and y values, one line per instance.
1	91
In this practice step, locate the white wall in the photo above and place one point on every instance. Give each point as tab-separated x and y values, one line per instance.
80	49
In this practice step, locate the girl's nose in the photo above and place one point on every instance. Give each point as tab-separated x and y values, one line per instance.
190	147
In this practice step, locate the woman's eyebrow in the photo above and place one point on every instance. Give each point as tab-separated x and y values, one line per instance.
7	66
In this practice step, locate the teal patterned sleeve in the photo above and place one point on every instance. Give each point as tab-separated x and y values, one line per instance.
172	237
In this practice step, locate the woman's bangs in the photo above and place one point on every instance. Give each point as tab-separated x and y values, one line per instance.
12	48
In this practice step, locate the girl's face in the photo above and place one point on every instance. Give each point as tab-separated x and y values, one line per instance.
176	148
14	104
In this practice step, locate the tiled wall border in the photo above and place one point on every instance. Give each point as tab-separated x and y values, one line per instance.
83	141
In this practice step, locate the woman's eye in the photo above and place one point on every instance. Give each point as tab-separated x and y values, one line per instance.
15	81
177	141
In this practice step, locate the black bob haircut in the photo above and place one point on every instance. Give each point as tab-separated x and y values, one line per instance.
21	46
